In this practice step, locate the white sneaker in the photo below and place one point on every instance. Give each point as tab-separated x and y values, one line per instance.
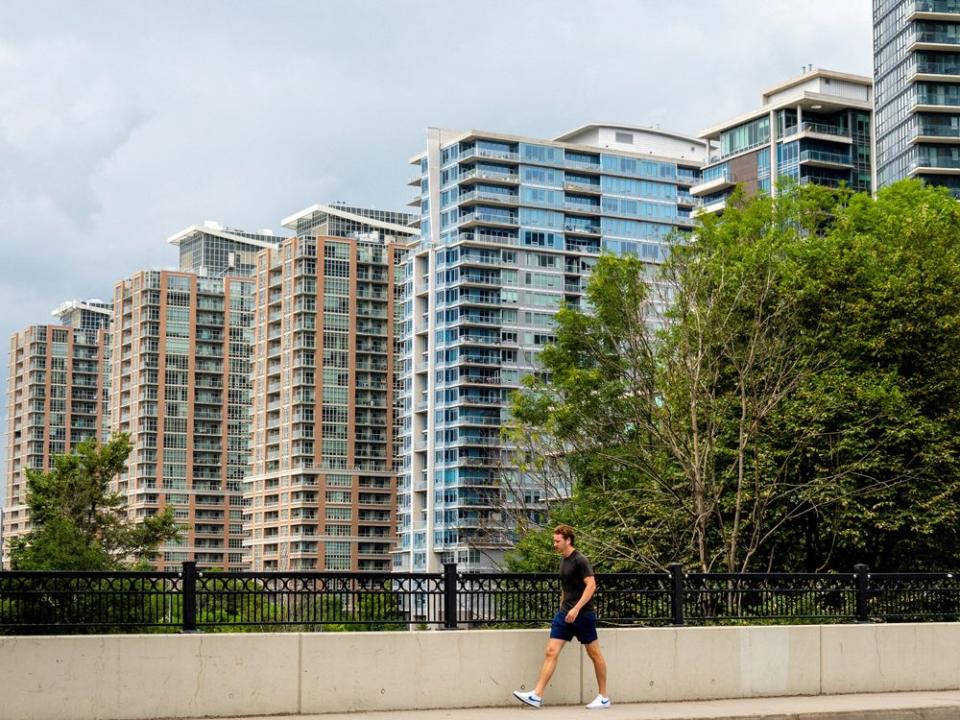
599	703
530	698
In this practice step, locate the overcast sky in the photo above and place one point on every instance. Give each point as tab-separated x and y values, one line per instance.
124	122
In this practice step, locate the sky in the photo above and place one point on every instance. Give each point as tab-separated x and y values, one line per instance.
122	123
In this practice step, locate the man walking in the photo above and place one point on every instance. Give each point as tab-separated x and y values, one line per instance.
576	619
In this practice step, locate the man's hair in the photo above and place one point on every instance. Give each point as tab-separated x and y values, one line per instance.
566	532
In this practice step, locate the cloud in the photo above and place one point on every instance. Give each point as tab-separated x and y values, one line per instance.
121	123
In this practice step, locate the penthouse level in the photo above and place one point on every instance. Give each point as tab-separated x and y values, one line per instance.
814	128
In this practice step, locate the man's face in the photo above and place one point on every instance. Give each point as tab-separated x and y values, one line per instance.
560	544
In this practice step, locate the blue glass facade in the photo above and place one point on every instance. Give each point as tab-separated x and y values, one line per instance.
916	47
518	228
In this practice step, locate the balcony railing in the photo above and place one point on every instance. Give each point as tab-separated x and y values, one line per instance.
819	128
823	156
84	602
936	36
488	153
938	67
939	131
937	6
951	163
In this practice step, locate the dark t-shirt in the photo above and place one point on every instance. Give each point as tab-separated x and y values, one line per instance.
574	569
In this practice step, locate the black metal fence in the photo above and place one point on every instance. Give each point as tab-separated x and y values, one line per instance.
192	600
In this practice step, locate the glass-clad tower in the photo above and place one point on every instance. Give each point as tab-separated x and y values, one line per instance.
814	128
916	65
510	228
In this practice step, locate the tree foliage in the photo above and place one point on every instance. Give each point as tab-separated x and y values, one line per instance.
783	394
78	523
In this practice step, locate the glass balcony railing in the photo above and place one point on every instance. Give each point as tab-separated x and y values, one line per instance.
928	98
938	37
814	127
937	6
716	173
823	156
938	67
582	164
489	153
488	175
488	218
952	163
511	198
939	131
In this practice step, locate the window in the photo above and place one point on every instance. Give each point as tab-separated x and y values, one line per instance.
624	137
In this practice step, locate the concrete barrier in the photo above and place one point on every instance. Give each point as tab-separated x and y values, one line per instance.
134	677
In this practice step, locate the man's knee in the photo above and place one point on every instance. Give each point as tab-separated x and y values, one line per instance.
593	650
552	650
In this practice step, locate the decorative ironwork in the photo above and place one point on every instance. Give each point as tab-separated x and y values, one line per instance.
79	602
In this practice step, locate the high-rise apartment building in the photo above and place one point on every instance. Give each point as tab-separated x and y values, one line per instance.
916	65
815	128
510	227
180	386
56	397
322	492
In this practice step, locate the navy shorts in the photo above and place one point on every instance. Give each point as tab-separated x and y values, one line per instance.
584	628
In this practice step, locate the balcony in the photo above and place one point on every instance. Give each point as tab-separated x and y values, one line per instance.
936	166
585	208
588	166
582	186
934	10
474	175
818	131
936	102
711	208
578	226
941	134
481	237
473	219
714	181
936	70
822	158
489	154
485	196
935	40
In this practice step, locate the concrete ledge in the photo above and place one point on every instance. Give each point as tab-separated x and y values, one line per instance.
889	706
135	677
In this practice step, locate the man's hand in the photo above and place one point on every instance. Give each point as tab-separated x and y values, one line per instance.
572	615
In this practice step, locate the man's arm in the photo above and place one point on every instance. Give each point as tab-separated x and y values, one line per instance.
591	587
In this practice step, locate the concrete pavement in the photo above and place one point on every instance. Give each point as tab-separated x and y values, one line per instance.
943	705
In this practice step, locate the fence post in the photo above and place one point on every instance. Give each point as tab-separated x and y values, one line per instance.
450	596
862	573
189	591
676	592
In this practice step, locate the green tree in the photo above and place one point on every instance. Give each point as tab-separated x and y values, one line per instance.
797	409
78	523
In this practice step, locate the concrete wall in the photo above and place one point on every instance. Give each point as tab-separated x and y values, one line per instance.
164	676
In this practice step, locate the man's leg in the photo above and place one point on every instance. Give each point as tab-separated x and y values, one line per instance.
599	665
554	646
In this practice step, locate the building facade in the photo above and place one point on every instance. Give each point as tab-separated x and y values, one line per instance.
180	379
510	228
322	491
57	394
212	250
916	50
815	128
